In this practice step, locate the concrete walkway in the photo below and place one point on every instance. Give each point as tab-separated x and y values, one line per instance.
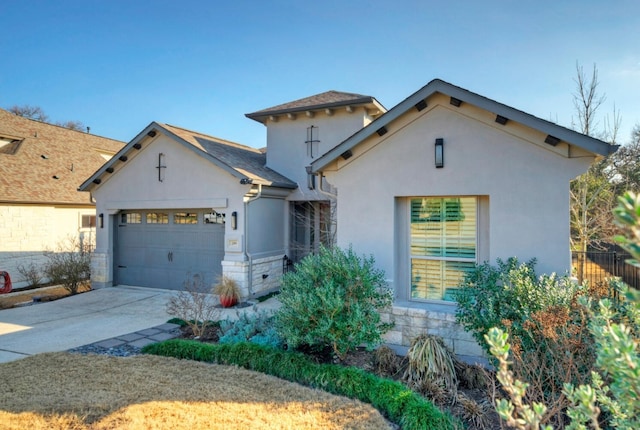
110	315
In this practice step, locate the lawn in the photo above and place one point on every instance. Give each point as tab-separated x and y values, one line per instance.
69	391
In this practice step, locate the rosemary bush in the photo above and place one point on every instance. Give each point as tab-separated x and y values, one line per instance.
333	299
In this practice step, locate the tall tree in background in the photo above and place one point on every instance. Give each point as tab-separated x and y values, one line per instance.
592	193
625	165
31	112
37	113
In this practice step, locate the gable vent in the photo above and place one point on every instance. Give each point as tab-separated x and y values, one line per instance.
552	140
501	119
421	105
382	131
346	154
455	102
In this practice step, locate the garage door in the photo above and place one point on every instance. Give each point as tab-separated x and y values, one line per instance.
162	249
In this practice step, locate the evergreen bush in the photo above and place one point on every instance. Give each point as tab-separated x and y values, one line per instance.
333	298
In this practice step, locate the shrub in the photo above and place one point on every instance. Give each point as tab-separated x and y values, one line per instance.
507	295
333	299
430	361
31	274
69	265
194	305
256	328
615	382
391	398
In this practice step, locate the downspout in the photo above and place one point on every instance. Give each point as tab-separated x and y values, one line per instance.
324	192
246	237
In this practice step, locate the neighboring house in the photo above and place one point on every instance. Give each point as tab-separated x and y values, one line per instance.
41	166
444	180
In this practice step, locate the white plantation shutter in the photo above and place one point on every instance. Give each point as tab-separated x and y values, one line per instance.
443	244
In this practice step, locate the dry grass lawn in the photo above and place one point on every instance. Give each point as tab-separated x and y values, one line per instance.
69	391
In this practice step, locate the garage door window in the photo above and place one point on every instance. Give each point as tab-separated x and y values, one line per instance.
185	218
131	218
157	218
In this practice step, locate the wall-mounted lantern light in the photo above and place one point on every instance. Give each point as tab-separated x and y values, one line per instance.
101	222
439	152
234	220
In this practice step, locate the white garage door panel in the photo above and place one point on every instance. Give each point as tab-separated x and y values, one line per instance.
165	255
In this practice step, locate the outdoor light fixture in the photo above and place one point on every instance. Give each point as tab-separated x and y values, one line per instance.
234	220
439	152
101	218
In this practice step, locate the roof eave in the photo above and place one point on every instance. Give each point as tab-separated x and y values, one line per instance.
571	137
260	116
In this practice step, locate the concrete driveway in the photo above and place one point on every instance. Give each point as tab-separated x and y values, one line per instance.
80	320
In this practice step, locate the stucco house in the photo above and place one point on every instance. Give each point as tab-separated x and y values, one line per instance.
444	180
41	166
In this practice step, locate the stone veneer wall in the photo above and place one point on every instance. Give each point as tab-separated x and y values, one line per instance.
266	275
411	322
28	231
100	270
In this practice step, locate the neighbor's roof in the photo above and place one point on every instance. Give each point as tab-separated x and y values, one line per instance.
326	100
563	134
44	163
246	163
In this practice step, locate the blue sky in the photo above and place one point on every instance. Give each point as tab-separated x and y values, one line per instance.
118	65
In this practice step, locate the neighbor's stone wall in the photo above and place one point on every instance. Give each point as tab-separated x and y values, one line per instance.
27	231
410	322
266	275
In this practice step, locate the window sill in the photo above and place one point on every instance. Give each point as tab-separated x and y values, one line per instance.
433	306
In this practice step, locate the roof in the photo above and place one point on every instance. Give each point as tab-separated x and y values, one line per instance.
44	163
246	163
327	100
555	131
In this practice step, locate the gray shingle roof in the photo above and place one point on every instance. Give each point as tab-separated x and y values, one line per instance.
326	100
37	152
246	161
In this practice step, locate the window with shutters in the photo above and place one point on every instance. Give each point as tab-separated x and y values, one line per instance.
443	244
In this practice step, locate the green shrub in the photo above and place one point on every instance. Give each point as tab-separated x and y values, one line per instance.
507	295
391	398
256	328
333	299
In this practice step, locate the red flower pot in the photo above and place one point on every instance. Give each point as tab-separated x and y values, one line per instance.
228	301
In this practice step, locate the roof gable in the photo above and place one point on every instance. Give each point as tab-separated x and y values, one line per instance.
243	162
327	100
418	100
44	163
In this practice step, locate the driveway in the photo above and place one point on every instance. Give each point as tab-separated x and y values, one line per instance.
80	320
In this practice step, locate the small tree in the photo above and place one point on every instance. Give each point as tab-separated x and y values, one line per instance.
333	299
195	305
69	265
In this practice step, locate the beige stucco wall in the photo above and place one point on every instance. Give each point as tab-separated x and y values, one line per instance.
189	181
523	184
26	231
288	153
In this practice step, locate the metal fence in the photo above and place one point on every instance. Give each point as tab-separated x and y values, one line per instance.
598	266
